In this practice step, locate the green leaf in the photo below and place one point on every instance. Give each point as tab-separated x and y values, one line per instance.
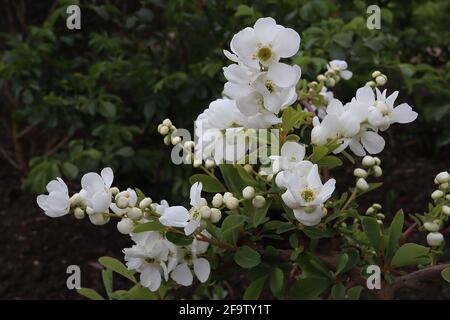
410	254
107	109
316	233
107	277
395	232
254	289
338	291
69	170
341	263
140	293
178	238
276	281
245	176
309	288
292	118
117	266
354	292
247	257
260	214
210	184
318	153
231	227
330	162
372	231
149	226
446	274
90	294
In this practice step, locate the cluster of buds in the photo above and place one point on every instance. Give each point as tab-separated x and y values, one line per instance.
371	168
374	210
379	79
258	201
166	128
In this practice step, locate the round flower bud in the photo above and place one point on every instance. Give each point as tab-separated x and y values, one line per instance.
89	210
381	216
446	210
269	178
189	144
331	82
209	163
371	84
145	203
443	177
443	186
167	122
435	239
197	163
377	172
114	191
248	168
167	140
227	195
324	211
321	78
360	173
377	161
447	197
134	214
98	218
163	130
381	80
259	202
437	194
122	202
376	74
125	226
176	140
370	211
368	161
75	200
217	200
377	206
431	226
172	128
78	213
202	202
216	215
380	222
205	212
362	184
232	203
248	192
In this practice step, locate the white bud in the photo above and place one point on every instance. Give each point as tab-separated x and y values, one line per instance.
437	194
167	122
259	202
248	192
163	130
145	203
377	172
371	84
381	216
134	214
443	177
98	218
197	163
376	74
176	140
172	128
368	161
202	202
167	140
205	212
370	211
431	226
377	206
321	78
248	168
227	195
216	215
446	210
75	200
360	173
232	203
443	186
447	197
89	210
362	184
269	178
122	202
435	239
381	80
330	82
209	163
78	213
114	191
380	222
189	144
324	211
125	226
377	161
217	200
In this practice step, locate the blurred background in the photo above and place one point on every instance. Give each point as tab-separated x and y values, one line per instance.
73	101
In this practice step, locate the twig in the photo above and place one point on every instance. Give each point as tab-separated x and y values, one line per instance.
405	235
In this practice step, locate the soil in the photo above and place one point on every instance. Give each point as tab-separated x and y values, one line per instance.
36	249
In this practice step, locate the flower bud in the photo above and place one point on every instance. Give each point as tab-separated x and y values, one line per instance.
98	218
205	212
145	203
437	194
232	203
380	222
360	173
172	128
435	239
78	213
443	177
381	80
197	163
167	140
125	226
331	82
248	192
362	184
202	202
377	206
269	178
176	140
321	78
216	215
377	161
189	144
167	122
114	191
371	84
376	74
209	163
217	200
443	186
248	168
122	202
446	210
134	214
89	210
259	202
324	212
431	226
368	161
377	172
447	197
75	200
381	216
227	195
163	130
370	211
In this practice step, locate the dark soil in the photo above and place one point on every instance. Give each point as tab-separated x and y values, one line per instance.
36	249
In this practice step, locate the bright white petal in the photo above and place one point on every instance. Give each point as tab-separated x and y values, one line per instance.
372	142
92	182
176	216
287	42
265	29
100	201
202	269
108	176
403	113
283	75
182	275
42	201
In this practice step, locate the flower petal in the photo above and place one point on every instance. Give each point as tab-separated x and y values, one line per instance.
283	75
403	113
265	30
176	216
151	278
182	275
287	42
372	142
202	269
107	176
92	182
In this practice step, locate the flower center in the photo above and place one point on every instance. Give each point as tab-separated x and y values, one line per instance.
382	107
270	86
149	260
264	54
307	195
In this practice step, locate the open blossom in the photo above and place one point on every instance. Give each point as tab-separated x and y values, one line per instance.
321	109
291	154
56	203
96	189
187	258
340	66
123	201
263	44
152	256
306	194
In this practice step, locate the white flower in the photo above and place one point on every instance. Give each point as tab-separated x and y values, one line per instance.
188	257
153	257
435	239
56	203
340	66
96	189
306	193
263	44
291	154
124	201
